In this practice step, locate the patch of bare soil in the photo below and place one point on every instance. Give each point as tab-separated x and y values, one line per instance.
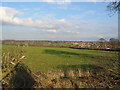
76	79
69	77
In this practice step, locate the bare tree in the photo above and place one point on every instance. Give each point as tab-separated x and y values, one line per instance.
102	43
114	7
113	43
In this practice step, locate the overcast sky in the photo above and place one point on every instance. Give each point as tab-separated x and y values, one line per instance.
57	21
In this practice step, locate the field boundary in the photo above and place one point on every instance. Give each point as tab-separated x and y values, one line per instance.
11	70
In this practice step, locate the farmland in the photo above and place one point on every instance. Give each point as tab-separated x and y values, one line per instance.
56	60
37	57
60	44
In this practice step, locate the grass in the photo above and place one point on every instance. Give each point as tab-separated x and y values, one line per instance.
49	58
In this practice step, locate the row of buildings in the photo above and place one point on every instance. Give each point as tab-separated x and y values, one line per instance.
95	45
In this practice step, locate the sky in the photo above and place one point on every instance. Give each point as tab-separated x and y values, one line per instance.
81	21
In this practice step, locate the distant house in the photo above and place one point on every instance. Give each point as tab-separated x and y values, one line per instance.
26	45
75	43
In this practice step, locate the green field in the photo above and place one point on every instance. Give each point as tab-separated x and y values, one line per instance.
50	58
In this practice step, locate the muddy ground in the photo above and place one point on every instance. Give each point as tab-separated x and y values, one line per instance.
22	77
